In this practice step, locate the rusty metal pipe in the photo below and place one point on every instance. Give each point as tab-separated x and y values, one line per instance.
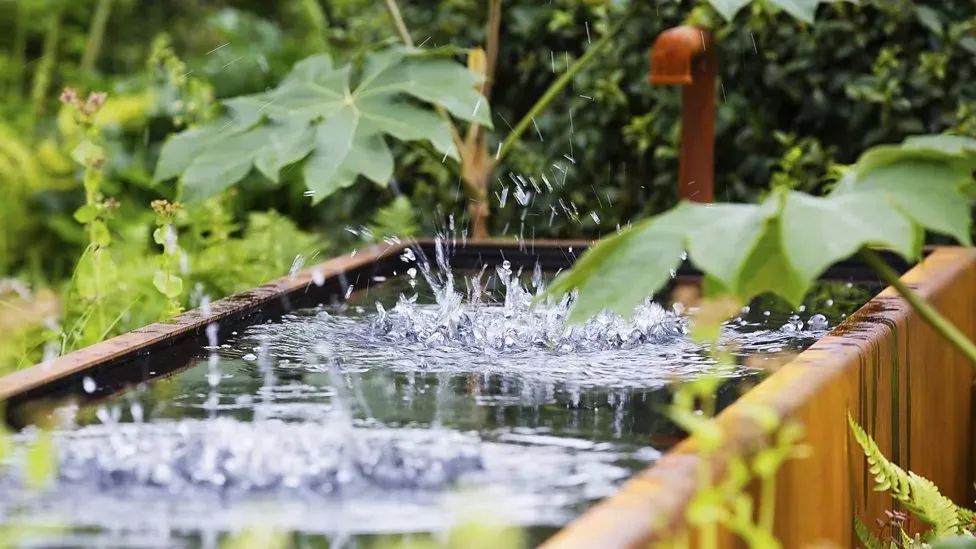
686	56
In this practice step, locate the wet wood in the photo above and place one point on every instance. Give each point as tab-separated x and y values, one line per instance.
906	385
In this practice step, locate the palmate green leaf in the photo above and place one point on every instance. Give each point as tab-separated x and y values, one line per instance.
338	126
889	198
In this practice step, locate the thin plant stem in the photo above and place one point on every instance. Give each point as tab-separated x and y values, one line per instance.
49	53
939	323
19	57
394	9
767	503
317	20
557	86
401	27
96	34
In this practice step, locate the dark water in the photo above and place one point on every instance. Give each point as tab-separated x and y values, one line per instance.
346	424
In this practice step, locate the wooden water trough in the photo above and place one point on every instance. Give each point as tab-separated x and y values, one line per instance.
900	380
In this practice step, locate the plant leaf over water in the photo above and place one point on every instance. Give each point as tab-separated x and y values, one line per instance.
889	198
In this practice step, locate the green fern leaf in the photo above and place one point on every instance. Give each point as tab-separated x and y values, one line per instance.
918	494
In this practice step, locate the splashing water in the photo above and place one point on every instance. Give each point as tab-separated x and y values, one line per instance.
366	417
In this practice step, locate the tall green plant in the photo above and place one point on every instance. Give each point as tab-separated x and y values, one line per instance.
95	274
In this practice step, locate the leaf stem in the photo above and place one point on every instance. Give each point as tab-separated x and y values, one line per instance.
939	323
45	67
557	86
401	27
767	503
96	33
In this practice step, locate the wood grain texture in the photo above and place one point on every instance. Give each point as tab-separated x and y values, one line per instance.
906	385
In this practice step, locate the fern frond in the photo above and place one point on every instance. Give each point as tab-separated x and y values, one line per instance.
887	476
926	502
918	494
866	536
966	516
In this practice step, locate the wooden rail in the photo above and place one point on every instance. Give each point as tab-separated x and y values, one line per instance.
908	387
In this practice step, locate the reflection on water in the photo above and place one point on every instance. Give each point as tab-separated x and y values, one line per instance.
390	413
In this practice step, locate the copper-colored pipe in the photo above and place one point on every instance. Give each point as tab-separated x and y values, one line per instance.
685	56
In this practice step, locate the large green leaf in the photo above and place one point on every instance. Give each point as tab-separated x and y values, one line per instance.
817	231
889	198
729	8
322	115
925	184
805	10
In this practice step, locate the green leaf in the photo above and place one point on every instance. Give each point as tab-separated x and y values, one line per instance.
87	153
728	8
86	213
805	10
621	271
168	284
721	236
925	186
818	231
223	164
952	145
767	269
889	198
929	18
287	144
100	235
333	139
321	112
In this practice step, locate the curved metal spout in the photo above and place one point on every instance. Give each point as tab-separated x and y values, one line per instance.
686	56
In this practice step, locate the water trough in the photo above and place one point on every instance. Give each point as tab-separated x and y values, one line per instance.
852	367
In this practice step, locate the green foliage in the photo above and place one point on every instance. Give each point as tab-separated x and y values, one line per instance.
395	219
918	494
729	501
317	113
804	10
890	197
866	537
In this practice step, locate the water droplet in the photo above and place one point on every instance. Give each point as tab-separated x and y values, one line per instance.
211	330
817	322
89	385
